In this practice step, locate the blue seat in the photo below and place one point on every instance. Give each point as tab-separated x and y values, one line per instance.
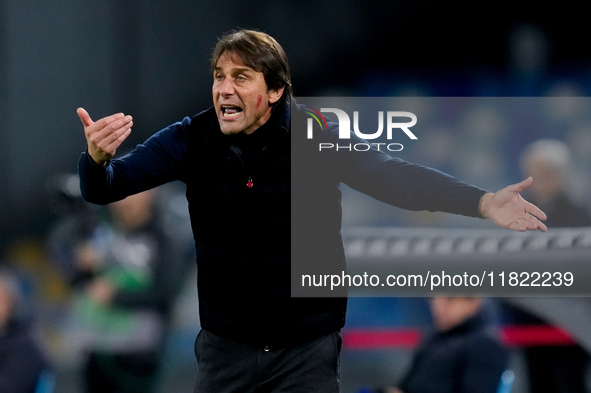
506	382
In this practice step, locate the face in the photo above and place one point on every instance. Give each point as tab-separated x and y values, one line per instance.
133	211
548	181
240	96
449	312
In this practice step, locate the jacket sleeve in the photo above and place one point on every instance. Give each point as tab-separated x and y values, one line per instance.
401	183
155	162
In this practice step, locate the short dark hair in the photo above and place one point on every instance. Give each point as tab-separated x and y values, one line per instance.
262	53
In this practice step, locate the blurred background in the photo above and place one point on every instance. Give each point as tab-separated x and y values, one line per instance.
150	59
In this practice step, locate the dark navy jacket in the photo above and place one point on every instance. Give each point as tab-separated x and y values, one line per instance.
467	358
247	237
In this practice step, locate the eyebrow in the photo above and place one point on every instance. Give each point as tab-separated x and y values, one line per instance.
237	70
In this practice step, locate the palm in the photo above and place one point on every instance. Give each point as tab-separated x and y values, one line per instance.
508	209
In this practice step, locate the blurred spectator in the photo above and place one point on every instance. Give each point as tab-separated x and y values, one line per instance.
552	369
462	355
126	267
548	161
22	360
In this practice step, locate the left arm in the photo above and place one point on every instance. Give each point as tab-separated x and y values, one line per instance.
415	187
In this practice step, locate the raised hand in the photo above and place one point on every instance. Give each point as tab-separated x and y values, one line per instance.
105	135
508	209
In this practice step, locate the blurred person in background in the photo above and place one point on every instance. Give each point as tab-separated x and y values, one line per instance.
126	270
549	162
559	368
463	354
22	359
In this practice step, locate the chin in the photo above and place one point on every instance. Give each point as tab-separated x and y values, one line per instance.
230	131
229	128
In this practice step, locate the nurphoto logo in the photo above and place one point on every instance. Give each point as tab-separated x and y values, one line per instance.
392	120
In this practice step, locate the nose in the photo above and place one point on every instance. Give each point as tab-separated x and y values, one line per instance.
226	87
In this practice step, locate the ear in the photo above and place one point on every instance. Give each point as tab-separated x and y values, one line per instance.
275	95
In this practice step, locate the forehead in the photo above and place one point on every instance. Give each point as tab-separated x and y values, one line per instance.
231	60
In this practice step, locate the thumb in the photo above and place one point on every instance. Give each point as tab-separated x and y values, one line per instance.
84	117
522	185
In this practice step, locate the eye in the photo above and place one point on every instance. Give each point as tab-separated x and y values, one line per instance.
240	78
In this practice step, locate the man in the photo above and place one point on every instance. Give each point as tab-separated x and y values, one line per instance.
125	267
550	162
462	355
236	161
22	359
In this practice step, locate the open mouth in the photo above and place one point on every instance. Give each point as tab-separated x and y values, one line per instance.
230	111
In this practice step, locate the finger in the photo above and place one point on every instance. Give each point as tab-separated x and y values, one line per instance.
105	122
125	135
517	226
521	186
114	130
84	117
114	145
532	224
109	140
528	223
536	226
541	226
535	211
104	132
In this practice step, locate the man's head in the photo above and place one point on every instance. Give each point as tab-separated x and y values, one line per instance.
251	77
134	211
449	312
548	162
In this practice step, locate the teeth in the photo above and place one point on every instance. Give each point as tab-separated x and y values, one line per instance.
231	111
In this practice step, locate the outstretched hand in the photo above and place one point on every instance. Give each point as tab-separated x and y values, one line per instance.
508	209
104	136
